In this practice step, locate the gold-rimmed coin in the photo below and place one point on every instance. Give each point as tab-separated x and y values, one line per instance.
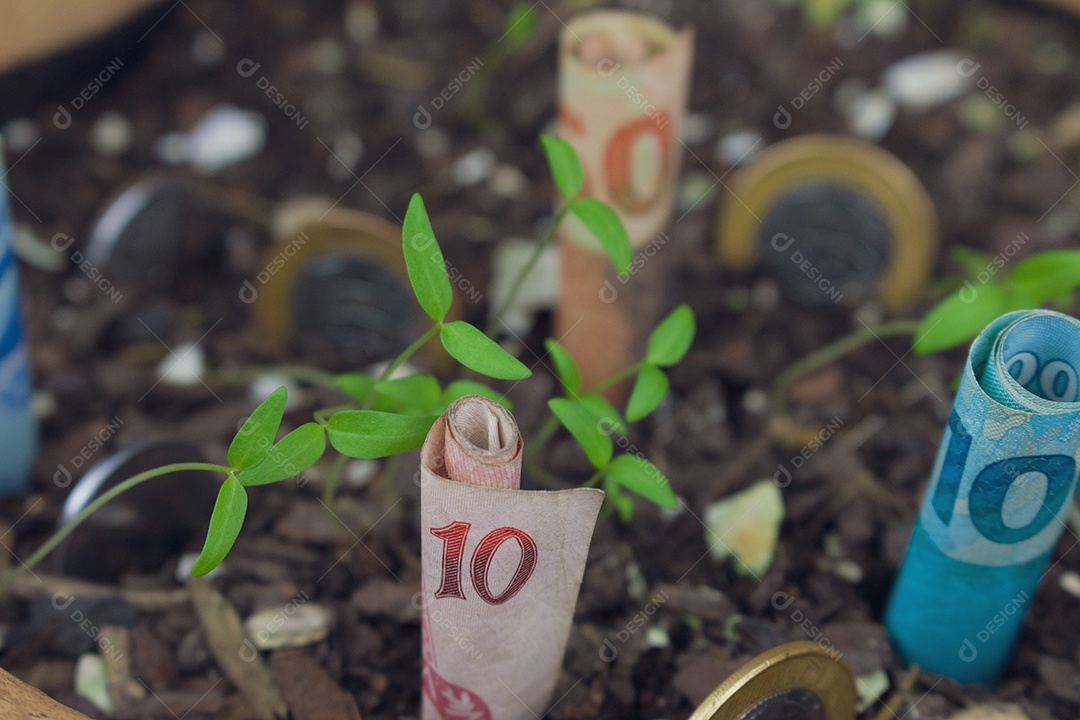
342	279
838	215
796	681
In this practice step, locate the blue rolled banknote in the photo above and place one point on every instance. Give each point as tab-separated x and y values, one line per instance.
17	424
999	494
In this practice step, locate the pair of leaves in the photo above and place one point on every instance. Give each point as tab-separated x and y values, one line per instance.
597	216
667	345
255	459
965	312
431	285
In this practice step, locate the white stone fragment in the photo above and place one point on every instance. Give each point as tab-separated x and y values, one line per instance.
746	525
473	167
926	80
184	366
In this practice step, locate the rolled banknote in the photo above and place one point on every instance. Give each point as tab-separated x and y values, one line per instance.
501	569
623	84
998	497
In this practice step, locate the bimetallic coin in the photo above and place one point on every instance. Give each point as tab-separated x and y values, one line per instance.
796	681
341	279
142	527
838	231
848	217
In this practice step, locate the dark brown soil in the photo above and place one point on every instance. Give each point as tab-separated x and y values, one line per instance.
848	508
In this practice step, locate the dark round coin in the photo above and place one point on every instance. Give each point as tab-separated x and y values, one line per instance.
797	704
355	305
154	231
142	527
825	242
862	213
796	681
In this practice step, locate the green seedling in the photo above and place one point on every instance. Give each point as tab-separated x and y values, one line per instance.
985	290
386	415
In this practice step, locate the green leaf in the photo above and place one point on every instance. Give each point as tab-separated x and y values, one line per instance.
960	317
605	412
478	352
373	434
650	389
823	13
424	261
641	476
418	392
1048	274
623	503
294	453
971	261
225	524
565	366
356	385
585	427
605	224
520	24
461	388
671	339
564	164
257	434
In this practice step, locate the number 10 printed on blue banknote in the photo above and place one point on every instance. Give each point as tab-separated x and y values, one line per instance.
998	498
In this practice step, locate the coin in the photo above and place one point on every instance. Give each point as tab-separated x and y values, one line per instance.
796	681
341	279
142	527
835	218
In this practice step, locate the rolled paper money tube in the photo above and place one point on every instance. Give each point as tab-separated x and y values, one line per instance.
17	424
999	493
501	569
623	85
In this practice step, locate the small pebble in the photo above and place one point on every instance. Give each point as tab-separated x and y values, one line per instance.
328	56
362	22
36	252
473	167
657	637
92	683
698	128
746	525
1069	581
20	134
738	147
348	151
112	134
755	400
262	386
925	80
184	366
990	711
979	114
507	182
432	143
224	136
186	563
286	626
883	18
359	472
870	115
539	290
764	294
869	688
207	49
696	190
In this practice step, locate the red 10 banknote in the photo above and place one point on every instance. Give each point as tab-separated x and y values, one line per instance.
501	569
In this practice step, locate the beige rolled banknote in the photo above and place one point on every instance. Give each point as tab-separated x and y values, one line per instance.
501	569
623	84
